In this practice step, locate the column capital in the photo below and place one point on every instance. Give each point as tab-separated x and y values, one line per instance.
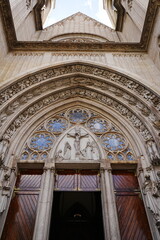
49	166
106	166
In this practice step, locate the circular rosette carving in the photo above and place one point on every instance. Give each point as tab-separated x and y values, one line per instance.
98	125
57	125
78	115
41	141
114	142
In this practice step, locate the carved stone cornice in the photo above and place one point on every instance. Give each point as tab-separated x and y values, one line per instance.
14	44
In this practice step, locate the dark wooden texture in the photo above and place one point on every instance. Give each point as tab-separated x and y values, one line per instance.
77	180
22	211
132	217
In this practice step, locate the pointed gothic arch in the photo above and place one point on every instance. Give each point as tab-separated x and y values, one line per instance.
131	106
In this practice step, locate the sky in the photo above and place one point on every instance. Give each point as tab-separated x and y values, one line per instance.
66	8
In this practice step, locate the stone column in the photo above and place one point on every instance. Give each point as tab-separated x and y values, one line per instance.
111	227
104	207
42	224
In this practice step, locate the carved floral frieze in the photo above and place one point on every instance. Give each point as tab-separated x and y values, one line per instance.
78	92
128	83
111	83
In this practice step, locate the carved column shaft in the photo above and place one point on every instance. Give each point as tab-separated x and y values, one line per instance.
104	207
110	206
42	225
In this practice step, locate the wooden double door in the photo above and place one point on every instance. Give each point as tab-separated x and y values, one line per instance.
77	210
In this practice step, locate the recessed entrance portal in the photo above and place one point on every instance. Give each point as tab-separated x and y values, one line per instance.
76	215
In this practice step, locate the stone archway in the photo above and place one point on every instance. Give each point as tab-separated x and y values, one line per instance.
36	97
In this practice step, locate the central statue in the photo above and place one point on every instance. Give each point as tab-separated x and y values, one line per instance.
77	136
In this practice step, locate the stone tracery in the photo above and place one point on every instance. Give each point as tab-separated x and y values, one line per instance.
76	142
109	84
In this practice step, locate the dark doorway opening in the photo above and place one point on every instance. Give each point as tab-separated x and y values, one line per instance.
76	216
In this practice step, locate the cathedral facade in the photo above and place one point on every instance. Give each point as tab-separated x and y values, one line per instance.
80	122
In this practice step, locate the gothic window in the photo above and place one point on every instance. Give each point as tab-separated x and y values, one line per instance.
41	141
80	132
57	125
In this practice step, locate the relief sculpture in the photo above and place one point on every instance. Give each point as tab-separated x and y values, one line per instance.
151	192
77	144
4	142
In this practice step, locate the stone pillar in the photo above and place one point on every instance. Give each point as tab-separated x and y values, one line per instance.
42	224
104	207
111	227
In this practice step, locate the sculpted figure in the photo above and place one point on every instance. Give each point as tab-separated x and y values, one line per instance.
67	151
151	193
59	156
5	193
4	142
152	150
88	150
77	136
95	152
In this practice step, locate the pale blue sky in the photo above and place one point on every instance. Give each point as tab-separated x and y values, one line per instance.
66	8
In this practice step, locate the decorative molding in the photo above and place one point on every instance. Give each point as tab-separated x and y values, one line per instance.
79	40
89	70
127	96
85	36
88	54
110	89
133	55
14	44
78	92
27	54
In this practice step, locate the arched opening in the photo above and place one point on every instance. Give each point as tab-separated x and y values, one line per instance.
78	123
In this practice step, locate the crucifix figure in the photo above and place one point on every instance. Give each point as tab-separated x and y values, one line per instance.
77	136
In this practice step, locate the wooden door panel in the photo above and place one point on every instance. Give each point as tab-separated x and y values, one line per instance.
125	180
132	217
22	211
89	180
21	217
77	180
